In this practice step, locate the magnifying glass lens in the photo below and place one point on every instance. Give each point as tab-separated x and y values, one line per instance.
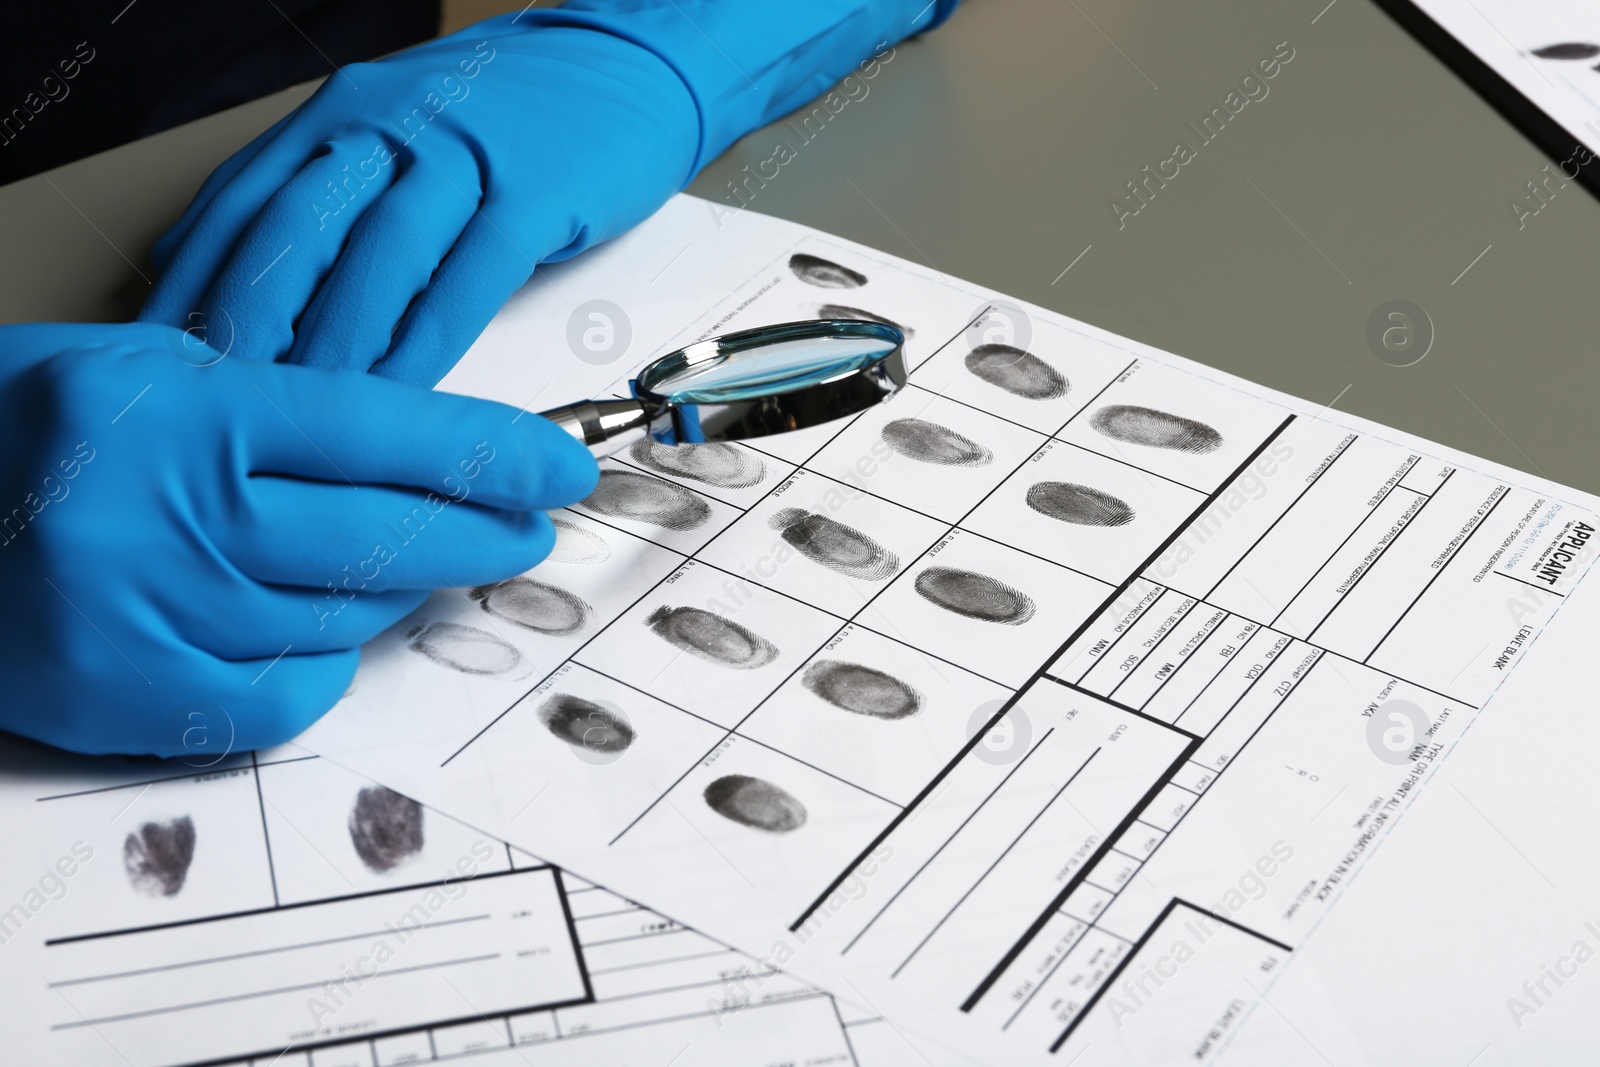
769	369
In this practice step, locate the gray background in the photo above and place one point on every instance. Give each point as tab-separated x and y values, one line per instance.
991	149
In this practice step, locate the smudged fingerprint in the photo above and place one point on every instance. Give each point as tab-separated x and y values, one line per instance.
756	803
711	637
977	596
1156	429
863	690
1081	505
385	828
157	856
644	498
534	605
825	273
845	311
574	544
584	724
1017	372
928	442
834	545
1568	50
717	463
465	648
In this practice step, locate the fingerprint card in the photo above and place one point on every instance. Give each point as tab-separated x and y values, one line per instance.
666	512
877	713
824	542
984	606
730	473
1084	511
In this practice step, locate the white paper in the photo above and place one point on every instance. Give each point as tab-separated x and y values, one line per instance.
1213	644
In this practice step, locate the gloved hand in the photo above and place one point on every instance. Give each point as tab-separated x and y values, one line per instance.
177	537
382	224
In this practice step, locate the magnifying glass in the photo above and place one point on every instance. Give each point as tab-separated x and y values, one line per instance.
769	380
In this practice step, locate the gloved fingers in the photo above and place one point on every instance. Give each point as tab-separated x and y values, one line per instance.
392	252
275	698
289	247
166	245
316	535
357	429
491	260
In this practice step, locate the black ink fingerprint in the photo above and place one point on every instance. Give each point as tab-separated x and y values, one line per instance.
464	648
574	544
584	724
627	495
755	803
385	828
158	854
860	689
718	463
1078	504
1568	50
834	545
1017	372
537	606
711	637
931	443
825	273
1157	429
845	311
977	596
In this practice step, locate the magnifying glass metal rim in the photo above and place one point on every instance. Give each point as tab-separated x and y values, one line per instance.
608	426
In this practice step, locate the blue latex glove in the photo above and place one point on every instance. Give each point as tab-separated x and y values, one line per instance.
383	223
220	539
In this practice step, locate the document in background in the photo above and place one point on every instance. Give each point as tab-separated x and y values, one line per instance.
1047	710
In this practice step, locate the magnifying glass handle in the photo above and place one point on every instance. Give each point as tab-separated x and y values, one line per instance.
604	426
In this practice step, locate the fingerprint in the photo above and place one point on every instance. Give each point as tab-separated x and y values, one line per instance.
574	544
1568	50
158	854
712	637
834	545
627	495
824	273
465	648
756	803
717	463
931	443
1017	372
535	605
1157	429
1078	504
585	724
845	311
860	689
977	596
385	828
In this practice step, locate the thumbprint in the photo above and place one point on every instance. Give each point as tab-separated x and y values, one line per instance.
711	637
465	648
845	311
1078	504
385	828
834	545
860	689
574	544
1568	50
756	803
718	463
627	495
825	273
929	442
584	724
537	606
1017	372
158	854
1156	429
977	596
